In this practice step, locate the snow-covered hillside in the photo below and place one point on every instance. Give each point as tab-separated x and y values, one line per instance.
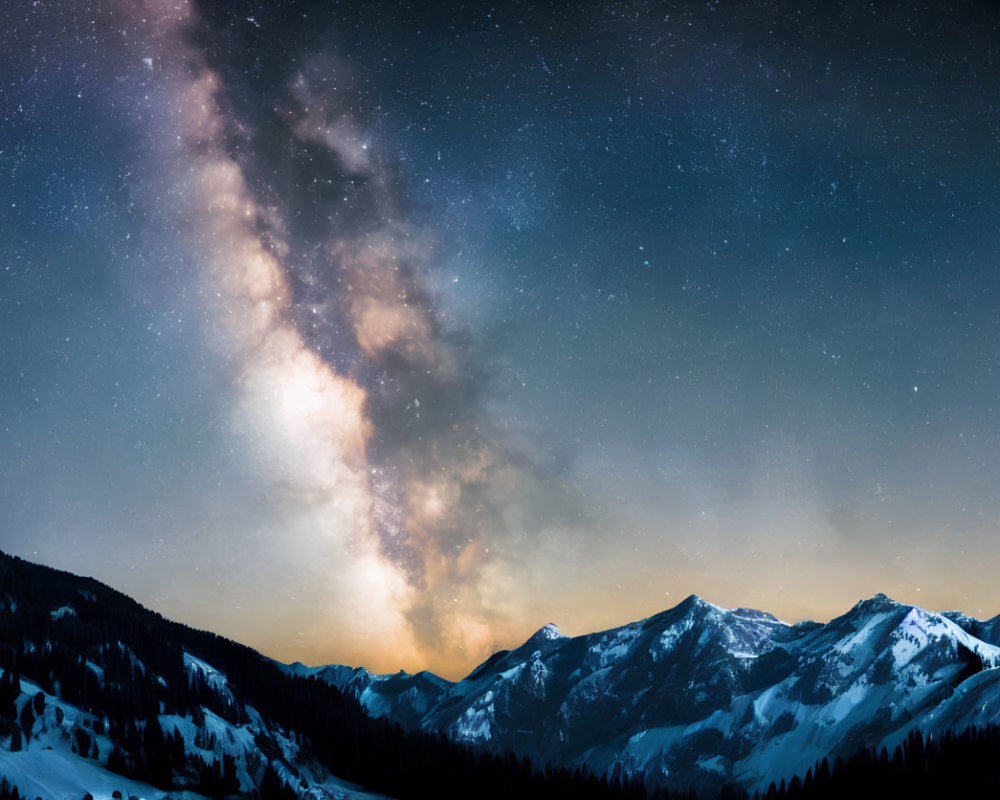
700	693
64	754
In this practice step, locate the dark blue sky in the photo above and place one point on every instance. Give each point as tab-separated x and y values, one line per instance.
372	333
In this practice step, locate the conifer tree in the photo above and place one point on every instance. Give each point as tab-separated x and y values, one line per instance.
27	720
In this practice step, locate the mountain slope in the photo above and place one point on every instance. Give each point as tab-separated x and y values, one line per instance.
699	695
100	695
54	763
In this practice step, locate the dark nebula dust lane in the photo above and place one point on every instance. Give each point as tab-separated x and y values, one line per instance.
385	335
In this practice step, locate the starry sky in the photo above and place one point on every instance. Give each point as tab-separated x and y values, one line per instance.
385	333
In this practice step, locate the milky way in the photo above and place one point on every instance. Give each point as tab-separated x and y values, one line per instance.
382	336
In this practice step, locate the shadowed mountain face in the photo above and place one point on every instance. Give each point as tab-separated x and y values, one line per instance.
701	694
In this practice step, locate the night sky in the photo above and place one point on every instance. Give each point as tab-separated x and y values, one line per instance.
384	334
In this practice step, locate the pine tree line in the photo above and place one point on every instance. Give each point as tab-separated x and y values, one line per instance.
950	765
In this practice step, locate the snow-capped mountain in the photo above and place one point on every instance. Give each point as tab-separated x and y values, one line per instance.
701	694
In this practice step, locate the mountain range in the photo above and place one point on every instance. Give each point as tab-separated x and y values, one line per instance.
100	696
701	695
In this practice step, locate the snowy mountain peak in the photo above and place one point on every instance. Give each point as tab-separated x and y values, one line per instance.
879	604
691	607
693	601
547	633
